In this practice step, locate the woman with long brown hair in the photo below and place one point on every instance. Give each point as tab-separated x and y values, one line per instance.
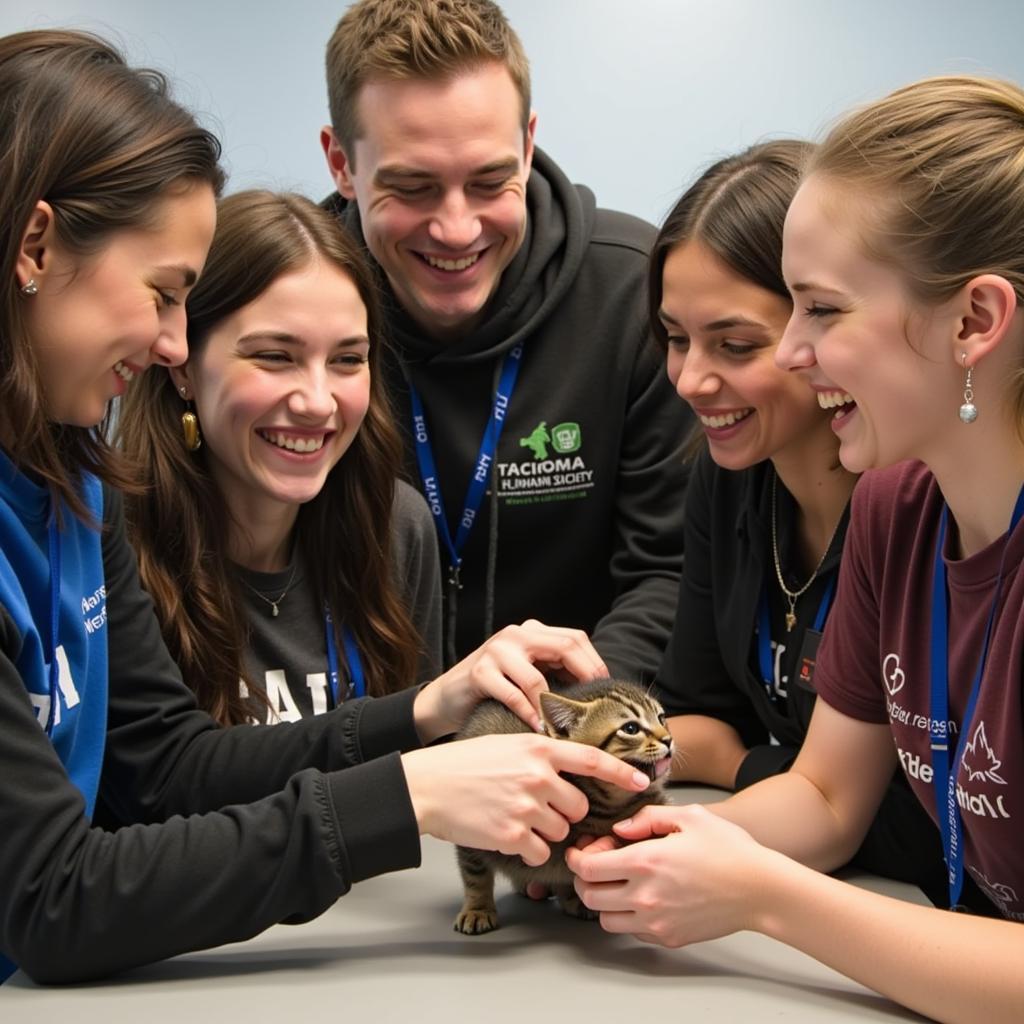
265	531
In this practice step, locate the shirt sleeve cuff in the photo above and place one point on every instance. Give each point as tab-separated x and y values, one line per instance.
386	724
762	762
377	825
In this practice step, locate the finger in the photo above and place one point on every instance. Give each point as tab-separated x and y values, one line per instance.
618	922
567	800
561	646
608	897
532	849
584	841
614	865
549	824
567	756
649	821
516	696
574	854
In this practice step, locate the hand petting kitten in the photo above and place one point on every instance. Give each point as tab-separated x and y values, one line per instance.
614	719
508	668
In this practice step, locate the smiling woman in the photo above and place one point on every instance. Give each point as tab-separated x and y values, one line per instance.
766	511
291	501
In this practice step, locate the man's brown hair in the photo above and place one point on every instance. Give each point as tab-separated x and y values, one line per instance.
431	39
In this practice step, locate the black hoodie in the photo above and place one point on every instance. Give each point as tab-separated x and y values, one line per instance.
582	523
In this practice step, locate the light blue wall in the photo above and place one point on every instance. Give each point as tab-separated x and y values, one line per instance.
632	103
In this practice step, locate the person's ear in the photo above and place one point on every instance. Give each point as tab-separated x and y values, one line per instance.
338	163
985	310
35	254
180	377
531	130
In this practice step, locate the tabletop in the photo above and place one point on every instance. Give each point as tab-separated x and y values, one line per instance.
387	952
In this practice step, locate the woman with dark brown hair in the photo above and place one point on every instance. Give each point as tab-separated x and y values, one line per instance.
766	510
265	532
107	208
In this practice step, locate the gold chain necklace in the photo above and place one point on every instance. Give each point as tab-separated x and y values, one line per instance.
284	593
792	595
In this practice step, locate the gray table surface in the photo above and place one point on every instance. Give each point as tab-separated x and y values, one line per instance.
387	952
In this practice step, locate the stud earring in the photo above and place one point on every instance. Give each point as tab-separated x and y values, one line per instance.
968	411
183	391
30	287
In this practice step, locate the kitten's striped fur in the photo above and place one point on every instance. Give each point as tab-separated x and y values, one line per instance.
618	717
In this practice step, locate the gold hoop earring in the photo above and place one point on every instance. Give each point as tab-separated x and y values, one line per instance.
190	430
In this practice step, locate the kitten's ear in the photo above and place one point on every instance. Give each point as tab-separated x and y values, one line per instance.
560	714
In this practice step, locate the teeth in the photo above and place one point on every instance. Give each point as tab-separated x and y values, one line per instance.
294	444
460	264
834	399
726	419
124	372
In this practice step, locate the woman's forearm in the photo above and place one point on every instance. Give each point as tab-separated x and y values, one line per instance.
953	967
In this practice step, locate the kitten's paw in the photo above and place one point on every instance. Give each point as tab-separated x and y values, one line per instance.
572	905
476	922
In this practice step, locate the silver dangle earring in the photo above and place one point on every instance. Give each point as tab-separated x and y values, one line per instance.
30	287
968	411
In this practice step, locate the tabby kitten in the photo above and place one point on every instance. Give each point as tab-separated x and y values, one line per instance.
618	717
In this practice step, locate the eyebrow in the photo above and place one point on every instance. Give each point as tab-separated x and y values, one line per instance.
188	275
293	339
810	286
508	165
714	325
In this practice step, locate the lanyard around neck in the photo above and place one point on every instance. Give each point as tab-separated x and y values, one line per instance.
357	680
764	630
944	775
481	471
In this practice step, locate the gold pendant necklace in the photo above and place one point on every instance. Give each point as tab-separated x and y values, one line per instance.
792	595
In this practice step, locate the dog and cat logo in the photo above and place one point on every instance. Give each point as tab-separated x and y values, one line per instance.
555	472
564	439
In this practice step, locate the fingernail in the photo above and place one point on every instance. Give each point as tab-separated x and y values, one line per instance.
641	780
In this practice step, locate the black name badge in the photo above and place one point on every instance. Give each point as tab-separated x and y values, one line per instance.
808	657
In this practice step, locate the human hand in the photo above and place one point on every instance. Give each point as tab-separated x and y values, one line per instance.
687	876
509	667
505	792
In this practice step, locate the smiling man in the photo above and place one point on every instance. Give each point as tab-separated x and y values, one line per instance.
540	424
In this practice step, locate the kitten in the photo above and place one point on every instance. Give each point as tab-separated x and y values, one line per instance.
618	717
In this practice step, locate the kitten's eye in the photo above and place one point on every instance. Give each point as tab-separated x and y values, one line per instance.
661	718
630	728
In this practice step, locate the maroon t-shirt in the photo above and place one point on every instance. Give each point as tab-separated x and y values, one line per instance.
874	662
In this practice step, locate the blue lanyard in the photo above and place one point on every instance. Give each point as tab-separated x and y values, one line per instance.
764	630
950	825
352	660
481	472
53	541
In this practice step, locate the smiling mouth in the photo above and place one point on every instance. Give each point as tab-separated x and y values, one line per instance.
124	372
463	263
725	419
300	445
841	401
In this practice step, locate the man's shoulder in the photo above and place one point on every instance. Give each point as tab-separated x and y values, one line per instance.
624	230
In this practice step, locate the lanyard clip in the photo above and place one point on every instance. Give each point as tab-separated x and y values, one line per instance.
454	574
